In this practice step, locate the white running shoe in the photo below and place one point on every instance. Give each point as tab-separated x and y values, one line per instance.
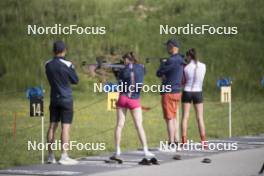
116	154
149	154
65	160
51	159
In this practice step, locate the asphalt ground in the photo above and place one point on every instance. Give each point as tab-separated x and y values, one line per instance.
246	160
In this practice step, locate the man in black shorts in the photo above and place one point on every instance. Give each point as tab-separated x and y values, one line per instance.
61	74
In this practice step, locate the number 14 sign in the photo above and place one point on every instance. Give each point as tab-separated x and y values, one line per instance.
36	107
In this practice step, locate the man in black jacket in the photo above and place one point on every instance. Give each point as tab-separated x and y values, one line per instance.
61	74
171	73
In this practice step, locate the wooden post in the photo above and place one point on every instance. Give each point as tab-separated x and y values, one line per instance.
226	98
42	139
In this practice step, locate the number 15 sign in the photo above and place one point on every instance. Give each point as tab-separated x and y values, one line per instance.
36	107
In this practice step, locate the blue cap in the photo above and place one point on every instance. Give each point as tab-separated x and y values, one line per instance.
59	46
173	42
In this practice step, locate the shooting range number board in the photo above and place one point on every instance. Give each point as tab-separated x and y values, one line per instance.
111	100
226	94
36	107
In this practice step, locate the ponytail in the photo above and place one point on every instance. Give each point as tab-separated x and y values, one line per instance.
192	53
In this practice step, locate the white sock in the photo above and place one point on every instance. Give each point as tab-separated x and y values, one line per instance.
147	152
145	149
118	150
64	155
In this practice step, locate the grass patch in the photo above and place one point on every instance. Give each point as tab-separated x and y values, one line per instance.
92	123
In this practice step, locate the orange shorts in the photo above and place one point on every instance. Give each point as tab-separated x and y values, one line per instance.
170	103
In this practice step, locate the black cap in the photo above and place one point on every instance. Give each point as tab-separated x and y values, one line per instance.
173	42
59	46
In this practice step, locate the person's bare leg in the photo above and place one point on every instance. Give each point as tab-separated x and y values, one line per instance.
121	117
185	118
171	129
177	121
176	127
65	142
200	120
65	137
138	120
51	135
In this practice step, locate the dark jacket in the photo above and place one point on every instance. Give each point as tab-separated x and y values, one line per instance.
61	75
172	69
132	74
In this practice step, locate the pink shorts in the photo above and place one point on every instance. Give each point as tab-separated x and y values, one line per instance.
129	103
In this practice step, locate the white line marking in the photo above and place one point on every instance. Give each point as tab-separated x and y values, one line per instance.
38	172
239	142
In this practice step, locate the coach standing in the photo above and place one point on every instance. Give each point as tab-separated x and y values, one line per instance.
61	74
171	74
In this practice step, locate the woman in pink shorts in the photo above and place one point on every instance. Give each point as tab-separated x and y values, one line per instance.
130	77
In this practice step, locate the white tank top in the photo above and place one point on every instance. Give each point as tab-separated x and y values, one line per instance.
194	76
